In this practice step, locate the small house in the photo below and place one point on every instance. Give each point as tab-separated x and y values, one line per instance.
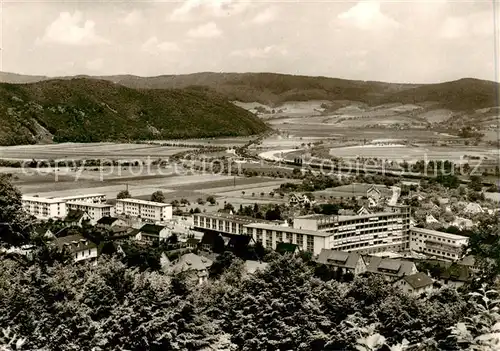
194	266
109	222
152	232
391	269
347	262
374	193
415	284
76	218
77	246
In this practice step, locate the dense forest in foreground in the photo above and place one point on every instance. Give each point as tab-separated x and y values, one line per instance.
130	300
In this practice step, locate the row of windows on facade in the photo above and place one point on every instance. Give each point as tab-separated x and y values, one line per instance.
82	253
442	253
434	237
269	243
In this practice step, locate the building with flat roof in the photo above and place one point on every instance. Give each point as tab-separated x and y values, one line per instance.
148	211
93	198
441	245
43	208
366	233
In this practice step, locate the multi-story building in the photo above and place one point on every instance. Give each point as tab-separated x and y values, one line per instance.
43	208
92	198
367	233
94	210
437	244
270	235
148	211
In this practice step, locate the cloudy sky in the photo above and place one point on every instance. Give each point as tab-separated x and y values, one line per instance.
400	41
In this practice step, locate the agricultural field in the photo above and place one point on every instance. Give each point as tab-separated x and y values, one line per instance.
78	151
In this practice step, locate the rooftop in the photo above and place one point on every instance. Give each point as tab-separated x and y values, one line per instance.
152	229
41	199
234	218
81	196
75	242
107	220
338	258
144	202
89	204
418	280
437	233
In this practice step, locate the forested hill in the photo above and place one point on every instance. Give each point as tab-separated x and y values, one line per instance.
90	110
273	89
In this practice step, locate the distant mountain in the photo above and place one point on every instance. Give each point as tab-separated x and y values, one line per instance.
91	110
274	89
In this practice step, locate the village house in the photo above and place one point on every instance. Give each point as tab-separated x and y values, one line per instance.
77	218
391	269
195	267
472	208
109	222
77	246
152	232
374	194
346	262
415	284
299	199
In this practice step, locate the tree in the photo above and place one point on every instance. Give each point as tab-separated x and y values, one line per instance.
476	183
14	225
200	201
211	200
158	196
124	194
185	202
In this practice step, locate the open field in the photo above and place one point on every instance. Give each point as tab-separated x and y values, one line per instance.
411	154
80	151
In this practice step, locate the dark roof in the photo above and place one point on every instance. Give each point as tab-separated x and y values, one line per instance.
41	230
239	240
151	229
107	220
418	280
338	258
192	241
387	266
209	238
286	247
74	243
190	262
451	271
74	216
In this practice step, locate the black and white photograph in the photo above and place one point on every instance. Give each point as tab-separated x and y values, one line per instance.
249	175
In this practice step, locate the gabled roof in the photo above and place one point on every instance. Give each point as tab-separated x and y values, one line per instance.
151	229
387	266
372	188
75	216
107	220
418	280
74	243
339	258
190	262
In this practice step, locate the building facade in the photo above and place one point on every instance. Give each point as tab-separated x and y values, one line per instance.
148	211
92	198
43	208
444	246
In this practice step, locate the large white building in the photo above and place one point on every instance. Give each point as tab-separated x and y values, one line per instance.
437	244
370	233
43	208
57	208
145	210
92	198
367	233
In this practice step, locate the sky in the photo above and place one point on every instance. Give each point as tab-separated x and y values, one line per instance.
417	41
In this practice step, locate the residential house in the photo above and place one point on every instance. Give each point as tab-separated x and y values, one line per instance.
374	193
77	246
192	243
109	222
363	211
415	284
429	219
194	266
462	223
298	199
472	208
350	262
77	218
45	232
391	269
152	232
